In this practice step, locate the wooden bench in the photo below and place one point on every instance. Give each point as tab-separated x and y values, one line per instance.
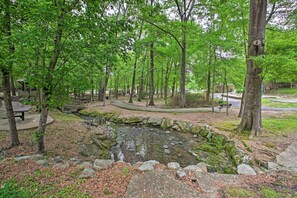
21	110
220	107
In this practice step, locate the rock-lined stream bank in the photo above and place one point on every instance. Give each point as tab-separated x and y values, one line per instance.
135	139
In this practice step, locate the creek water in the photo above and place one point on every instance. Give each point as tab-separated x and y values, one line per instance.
140	143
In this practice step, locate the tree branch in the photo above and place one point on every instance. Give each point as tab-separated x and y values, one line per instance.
165	31
271	13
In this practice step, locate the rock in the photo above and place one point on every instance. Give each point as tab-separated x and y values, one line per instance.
180	143
165	147
167	124
74	160
181	173
182	126
195	136
42	162
167	132
288	157
272	166
167	151
245	169
245	159
159	184
98	131
154	121
194	168
100	164
87	165
173	165
148	165
61	166
57	159
202	166
172	143
32	157
86	173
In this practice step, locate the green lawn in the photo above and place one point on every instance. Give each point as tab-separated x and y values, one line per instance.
290	92
268	103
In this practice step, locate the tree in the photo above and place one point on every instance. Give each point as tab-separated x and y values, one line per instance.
6	62
251	118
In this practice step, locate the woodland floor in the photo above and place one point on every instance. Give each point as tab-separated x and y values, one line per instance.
62	136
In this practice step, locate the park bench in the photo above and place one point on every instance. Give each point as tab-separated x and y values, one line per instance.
221	106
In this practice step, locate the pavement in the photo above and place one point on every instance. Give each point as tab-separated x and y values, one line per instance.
131	106
234	100
31	121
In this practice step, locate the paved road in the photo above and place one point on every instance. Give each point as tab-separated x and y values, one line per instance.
129	106
236	104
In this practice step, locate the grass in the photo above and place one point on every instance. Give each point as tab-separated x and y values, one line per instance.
268	103
271	193
281	125
32	187
284	91
62	117
240	192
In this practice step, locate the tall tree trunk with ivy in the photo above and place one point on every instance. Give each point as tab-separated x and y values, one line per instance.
251	117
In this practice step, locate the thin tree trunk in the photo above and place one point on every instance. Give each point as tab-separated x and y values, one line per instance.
105	83
13	134
174	81
208	83
251	118
167	73
162	83
133	80
39	134
182	97
213	81
141	85
151	94
13	92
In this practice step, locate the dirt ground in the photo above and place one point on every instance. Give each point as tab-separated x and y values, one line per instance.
61	140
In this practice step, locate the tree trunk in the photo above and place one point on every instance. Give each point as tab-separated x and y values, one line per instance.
133	80
105	83
13	92
182	97
208	84
167	73
151	103
100	90
251	118
39	134
174	81
213	80
13	134
141	85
